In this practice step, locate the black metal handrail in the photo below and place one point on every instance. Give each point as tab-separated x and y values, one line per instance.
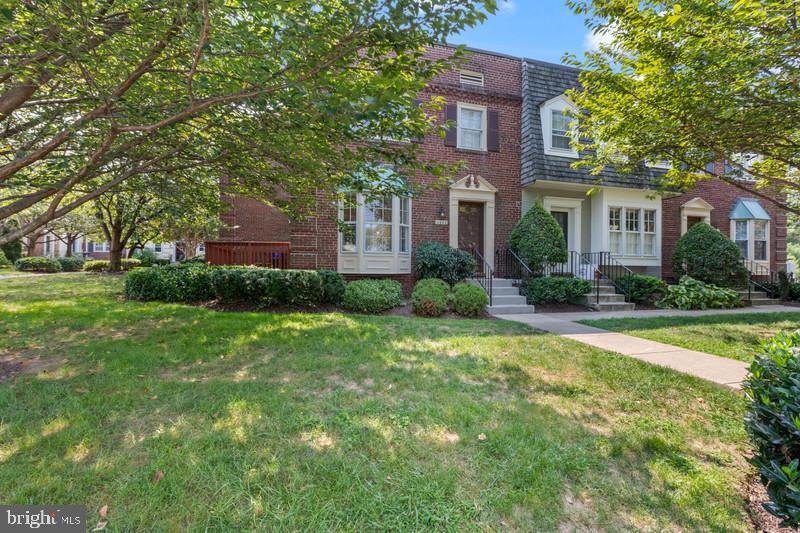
606	267
509	265
484	274
760	277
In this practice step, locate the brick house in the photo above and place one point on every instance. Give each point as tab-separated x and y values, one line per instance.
511	132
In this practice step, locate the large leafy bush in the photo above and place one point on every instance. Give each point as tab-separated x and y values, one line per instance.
693	294
12	250
706	254
4	261
643	289
773	422
437	260
538	239
372	295
333	287
146	257
469	300
173	283
71	264
554	289
269	287
37	264
430	297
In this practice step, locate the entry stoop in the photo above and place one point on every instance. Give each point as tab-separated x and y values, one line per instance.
506	299
608	299
755	298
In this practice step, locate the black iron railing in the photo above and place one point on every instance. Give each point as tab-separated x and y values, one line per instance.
760	277
484	274
509	265
606	267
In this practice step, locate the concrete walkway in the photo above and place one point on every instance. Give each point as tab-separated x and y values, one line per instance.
721	370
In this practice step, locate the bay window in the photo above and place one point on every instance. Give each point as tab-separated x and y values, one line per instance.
741	236
752	238
374	234
632	232
760	240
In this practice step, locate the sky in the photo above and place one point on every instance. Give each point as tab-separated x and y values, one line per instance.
536	29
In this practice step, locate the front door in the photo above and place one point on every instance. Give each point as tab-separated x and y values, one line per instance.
470	226
562	217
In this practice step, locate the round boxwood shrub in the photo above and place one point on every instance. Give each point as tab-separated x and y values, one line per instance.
71	264
469	300
333	287
4	262
372	295
538	239
554	289
643	289
37	264
430	297
102	265
773	422
706	254
690	293
174	283
437	260
146	257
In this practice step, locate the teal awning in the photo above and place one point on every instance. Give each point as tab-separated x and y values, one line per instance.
749	209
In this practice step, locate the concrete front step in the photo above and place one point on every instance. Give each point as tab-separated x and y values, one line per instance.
509	300
752	294
763	301
510	309
505	291
613	306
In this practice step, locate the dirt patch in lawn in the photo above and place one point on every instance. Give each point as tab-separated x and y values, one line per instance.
756	495
24	362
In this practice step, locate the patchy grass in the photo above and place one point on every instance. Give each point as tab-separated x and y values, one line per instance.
181	418
737	336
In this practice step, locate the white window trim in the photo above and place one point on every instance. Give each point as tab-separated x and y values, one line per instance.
623	231
751	240
361	261
484	125
559	103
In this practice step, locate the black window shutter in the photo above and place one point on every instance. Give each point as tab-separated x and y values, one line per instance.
493	133
451	115
417	102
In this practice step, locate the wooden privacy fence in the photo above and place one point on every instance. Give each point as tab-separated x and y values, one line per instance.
263	254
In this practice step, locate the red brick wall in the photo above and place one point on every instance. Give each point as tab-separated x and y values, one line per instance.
314	241
722	196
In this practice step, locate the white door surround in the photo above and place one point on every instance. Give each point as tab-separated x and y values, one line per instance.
696	207
474	188
572	206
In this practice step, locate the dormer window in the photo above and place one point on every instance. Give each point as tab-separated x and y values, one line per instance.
558	126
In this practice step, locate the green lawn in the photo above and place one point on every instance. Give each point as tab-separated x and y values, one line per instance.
336	422
737	336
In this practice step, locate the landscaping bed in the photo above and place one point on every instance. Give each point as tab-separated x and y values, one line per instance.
178	417
737	336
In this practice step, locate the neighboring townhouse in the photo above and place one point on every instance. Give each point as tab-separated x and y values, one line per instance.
512	132
49	245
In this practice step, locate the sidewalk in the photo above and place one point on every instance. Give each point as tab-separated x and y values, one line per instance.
721	370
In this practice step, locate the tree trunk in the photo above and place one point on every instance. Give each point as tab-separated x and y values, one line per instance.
115	254
30	242
70	241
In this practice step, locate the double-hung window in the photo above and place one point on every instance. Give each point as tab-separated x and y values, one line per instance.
471	127
742	237
378	215
760	235
405	225
560	134
157	247
632	231
349	222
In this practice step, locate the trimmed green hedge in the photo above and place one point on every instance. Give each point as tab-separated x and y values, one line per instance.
174	283
439	261
554	289
694	294
538	239
37	264
430	297
71	264
469	300
271	287
643	289
102	265
773	422
706	254
372	295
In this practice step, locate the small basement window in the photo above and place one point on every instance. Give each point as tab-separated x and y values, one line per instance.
469	77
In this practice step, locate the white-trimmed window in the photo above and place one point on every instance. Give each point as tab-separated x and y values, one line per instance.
632	231
348	216
558	127
157	247
378	224
471	127
752	238
405	225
